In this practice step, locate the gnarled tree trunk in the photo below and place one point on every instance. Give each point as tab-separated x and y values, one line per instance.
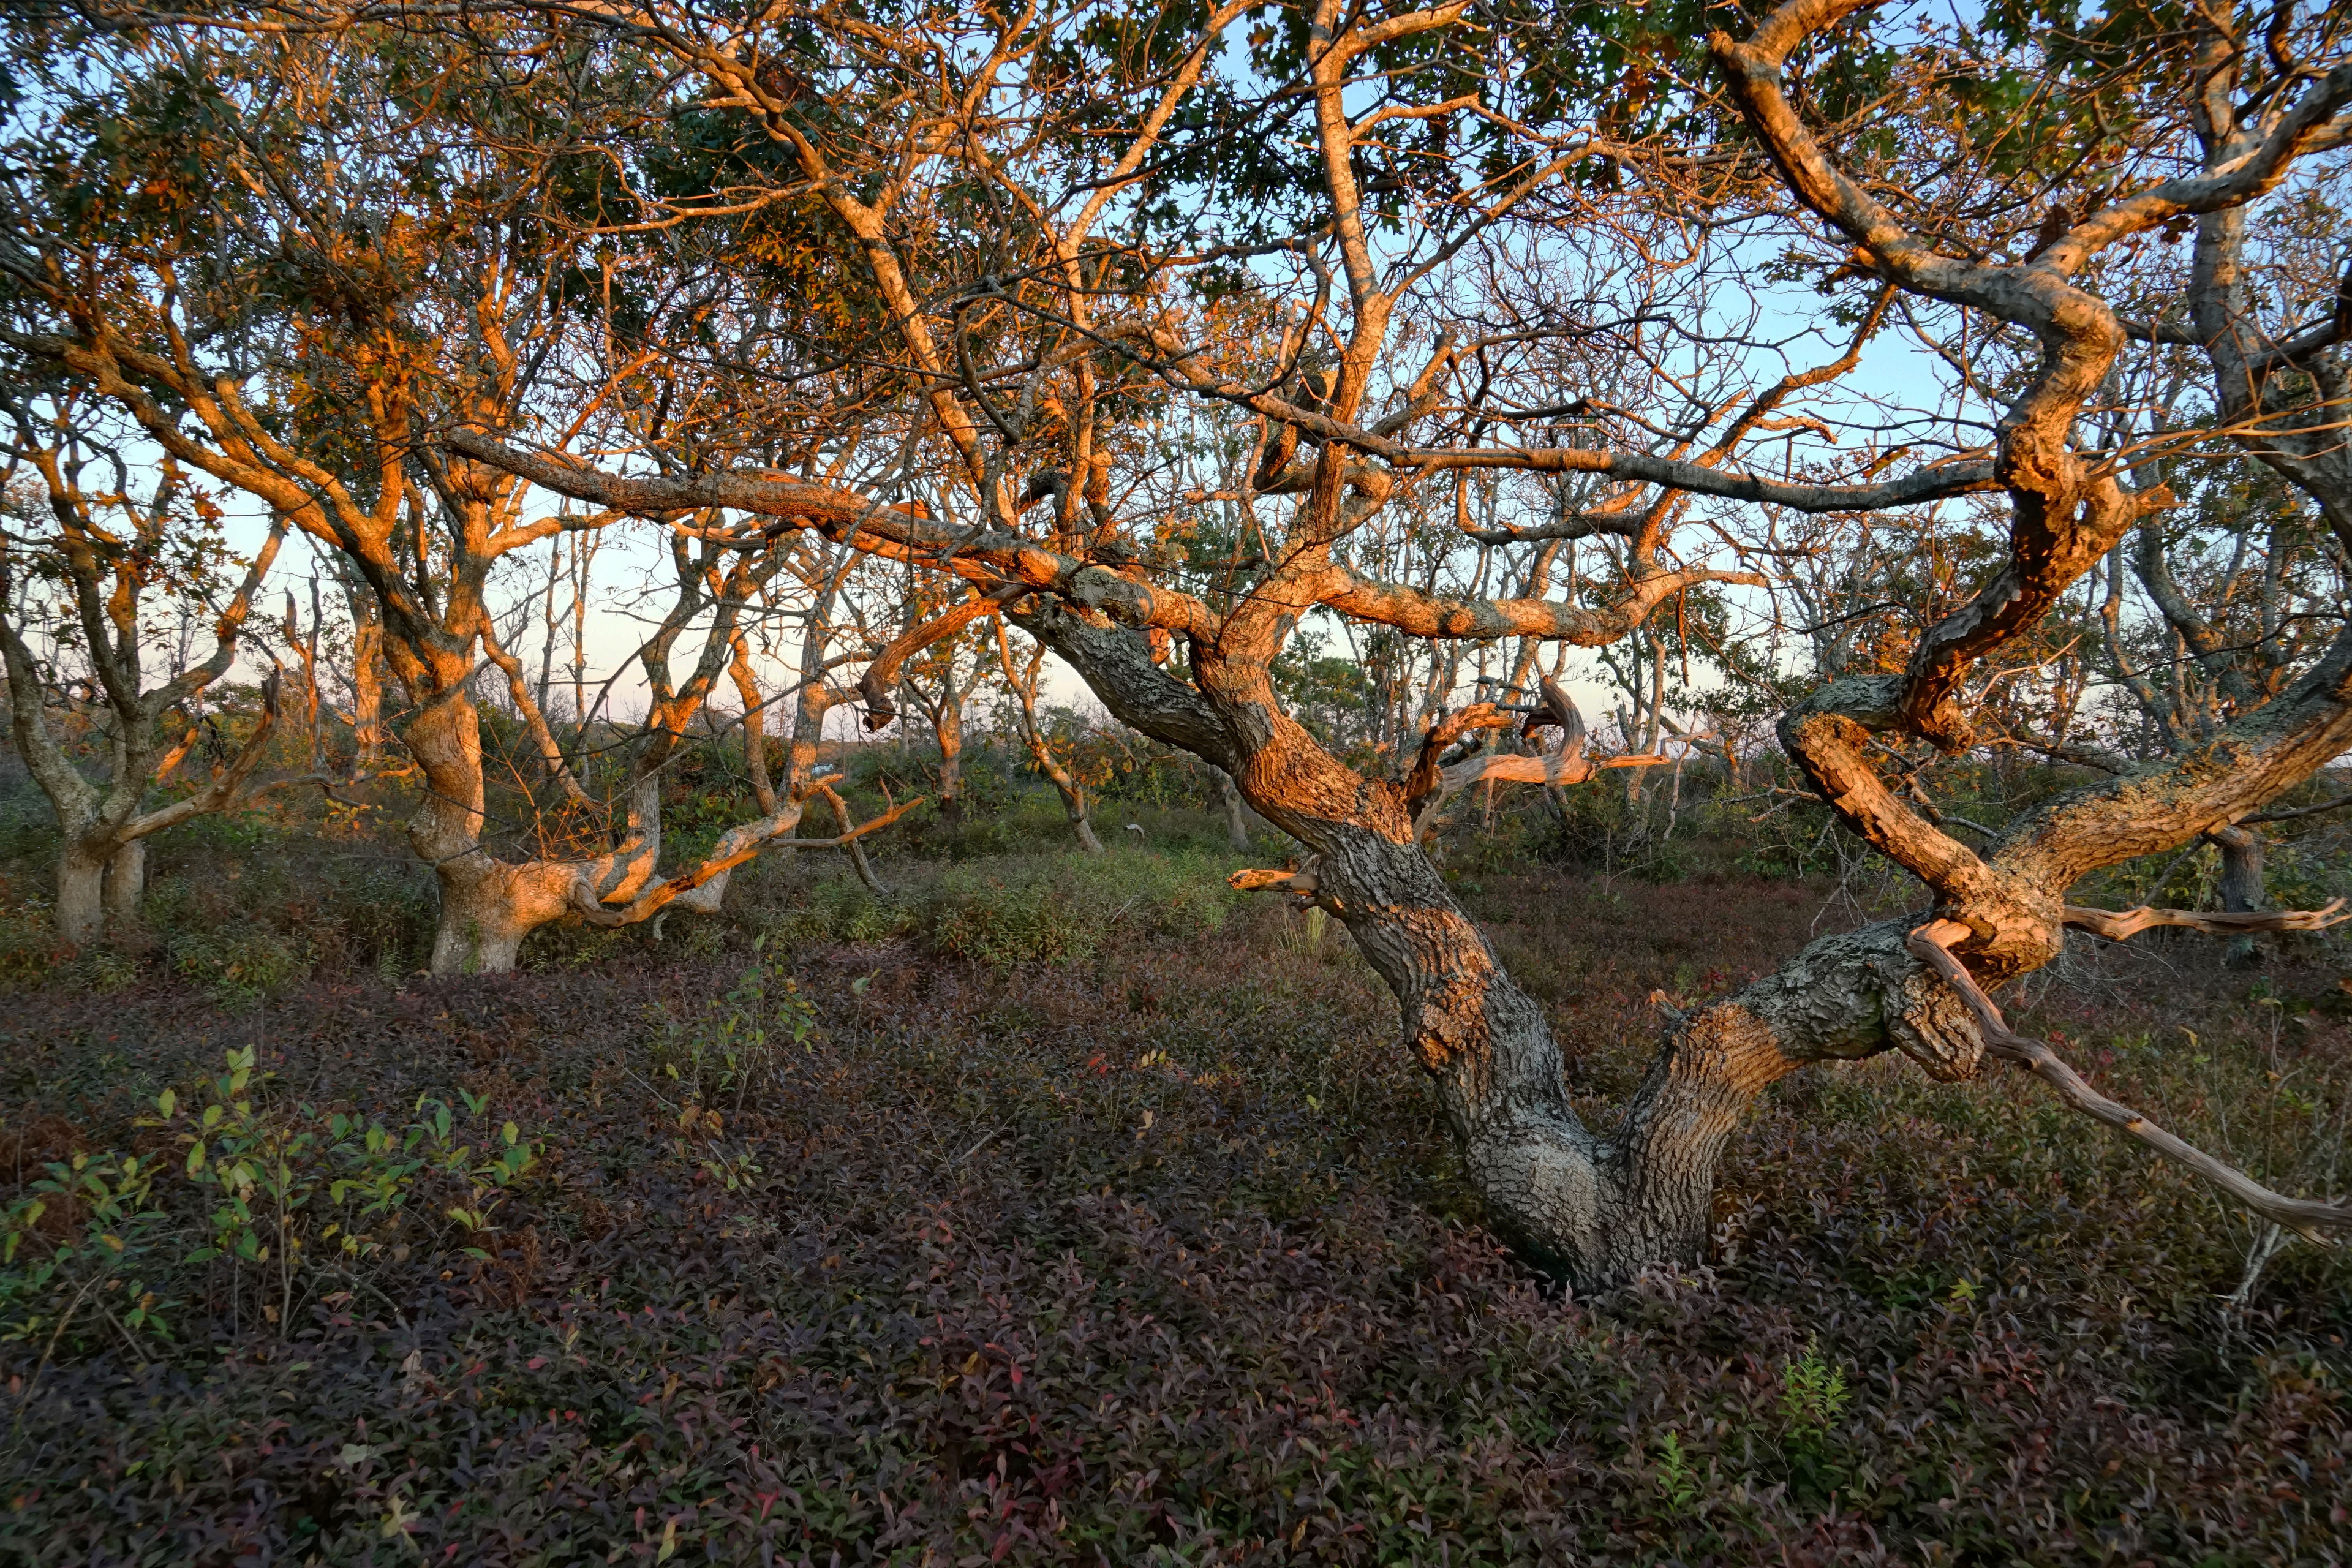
947	728
101	865
488	905
1597	1207
1592	1208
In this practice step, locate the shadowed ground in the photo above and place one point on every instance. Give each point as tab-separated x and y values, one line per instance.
1130	1236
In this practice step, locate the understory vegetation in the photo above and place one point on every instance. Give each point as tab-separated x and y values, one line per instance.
1058	1208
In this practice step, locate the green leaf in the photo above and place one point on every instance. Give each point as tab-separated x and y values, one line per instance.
195	1158
167	1103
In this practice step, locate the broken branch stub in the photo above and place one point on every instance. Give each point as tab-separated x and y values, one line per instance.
1303	882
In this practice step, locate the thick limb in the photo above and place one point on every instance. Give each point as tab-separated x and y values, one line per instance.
1596	1208
755	726
849	839
126	882
488	905
79	913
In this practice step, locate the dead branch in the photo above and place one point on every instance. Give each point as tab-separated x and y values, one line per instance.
2117	924
222	794
741	845
874	685
1556	709
849	838
1559	768
2305	1217
1425	778
551	752
2326	806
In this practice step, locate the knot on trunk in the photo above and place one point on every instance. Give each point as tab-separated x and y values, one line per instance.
1941	722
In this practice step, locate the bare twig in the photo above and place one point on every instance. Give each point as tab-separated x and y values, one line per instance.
2341	801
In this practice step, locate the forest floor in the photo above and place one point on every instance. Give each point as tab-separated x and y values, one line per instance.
1080	1212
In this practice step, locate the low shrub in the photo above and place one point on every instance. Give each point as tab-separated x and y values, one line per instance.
249	1207
841	909
239	966
1156	1254
1060	909
29	948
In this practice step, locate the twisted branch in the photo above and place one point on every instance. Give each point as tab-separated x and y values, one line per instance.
748	841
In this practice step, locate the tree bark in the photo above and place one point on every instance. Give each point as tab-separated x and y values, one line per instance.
488	905
80	912
865	869
755	759
1237	833
126	882
1593	1209
1024	685
2241	888
812	702
755	729
947	724
367	672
